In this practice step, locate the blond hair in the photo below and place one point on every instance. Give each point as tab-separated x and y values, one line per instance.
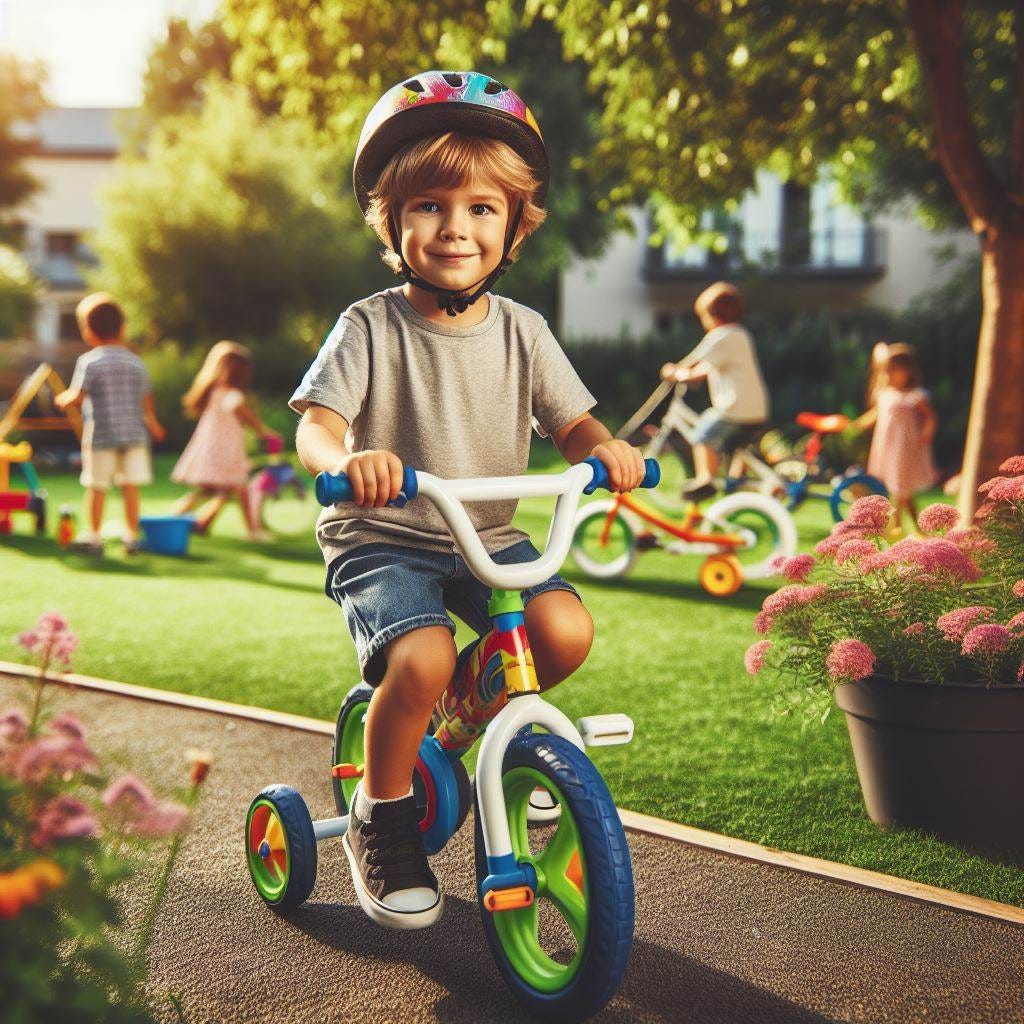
450	161
226	362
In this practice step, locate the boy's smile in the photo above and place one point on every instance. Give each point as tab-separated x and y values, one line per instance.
455	237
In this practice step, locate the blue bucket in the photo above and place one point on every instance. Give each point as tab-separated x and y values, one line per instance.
167	535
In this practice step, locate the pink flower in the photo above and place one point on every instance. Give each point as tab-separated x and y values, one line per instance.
785	600
13	726
63	817
796	568
988	638
164	819
52	755
1017	622
870	513
1014	464
850	660
1018	589
753	660
984	511
914	629
50	638
970	540
938	517
852	550
129	794
934	555
68	725
1005	488
955	624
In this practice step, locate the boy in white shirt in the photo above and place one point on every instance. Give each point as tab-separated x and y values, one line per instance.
727	358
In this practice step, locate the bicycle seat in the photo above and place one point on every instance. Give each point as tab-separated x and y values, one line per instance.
829	423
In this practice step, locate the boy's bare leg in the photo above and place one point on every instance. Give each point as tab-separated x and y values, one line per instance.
94	501
131	508
705	461
561	632
420	665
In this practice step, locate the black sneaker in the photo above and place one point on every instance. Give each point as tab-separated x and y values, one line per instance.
390	872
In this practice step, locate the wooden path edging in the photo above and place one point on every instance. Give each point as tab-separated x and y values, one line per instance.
631	820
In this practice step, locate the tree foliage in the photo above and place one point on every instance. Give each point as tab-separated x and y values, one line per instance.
21	102
232	225
19	290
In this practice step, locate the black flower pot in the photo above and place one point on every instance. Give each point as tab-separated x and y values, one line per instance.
947	758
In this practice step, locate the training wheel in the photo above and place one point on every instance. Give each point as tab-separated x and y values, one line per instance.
721	575
280	847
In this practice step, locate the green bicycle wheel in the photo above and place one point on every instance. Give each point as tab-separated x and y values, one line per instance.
349	742
563	955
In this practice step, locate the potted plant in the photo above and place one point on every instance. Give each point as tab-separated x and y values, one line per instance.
921	643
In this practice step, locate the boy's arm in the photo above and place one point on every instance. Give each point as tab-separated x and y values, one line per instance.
153	425
586	436
70	397
376	476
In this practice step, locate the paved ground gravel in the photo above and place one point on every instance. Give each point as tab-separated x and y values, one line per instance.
718	939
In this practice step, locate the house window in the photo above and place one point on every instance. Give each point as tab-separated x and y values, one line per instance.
796	225
61	243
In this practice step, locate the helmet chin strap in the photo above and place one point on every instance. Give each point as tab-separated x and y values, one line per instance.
455	302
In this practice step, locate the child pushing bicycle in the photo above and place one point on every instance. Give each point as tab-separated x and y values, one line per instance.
451	172
727	358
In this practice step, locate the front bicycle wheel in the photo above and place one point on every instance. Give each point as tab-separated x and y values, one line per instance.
766	529
601	548
564	955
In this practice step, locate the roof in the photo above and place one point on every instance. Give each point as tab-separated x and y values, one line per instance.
78	131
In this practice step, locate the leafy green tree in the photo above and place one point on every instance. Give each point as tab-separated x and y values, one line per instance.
181	65
21	102
232	224
19	290
925	99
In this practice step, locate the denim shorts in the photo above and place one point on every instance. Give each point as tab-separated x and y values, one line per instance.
713	429
386	590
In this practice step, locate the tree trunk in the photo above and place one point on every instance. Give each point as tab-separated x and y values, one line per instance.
995	430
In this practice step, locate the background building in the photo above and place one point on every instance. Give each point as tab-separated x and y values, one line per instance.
806	249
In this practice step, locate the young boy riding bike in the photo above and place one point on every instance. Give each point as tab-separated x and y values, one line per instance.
727	358
451	172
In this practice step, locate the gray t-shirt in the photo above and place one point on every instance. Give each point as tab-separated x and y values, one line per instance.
454	401
115	381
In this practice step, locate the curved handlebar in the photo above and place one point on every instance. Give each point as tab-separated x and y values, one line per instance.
334	487
448	497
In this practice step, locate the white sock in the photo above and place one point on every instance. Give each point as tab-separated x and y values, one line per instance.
88	537
364	804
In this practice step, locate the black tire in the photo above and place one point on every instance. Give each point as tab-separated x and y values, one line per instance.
609	887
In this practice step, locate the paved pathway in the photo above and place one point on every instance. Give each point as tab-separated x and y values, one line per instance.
718	939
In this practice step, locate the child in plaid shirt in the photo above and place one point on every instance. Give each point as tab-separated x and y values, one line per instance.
112	385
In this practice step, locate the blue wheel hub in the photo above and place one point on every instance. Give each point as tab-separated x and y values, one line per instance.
264	850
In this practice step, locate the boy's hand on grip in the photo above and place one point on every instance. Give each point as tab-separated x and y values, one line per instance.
376	476
625	464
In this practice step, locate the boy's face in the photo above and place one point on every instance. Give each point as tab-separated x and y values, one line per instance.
454	238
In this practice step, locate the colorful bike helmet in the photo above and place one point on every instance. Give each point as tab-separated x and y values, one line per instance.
432	103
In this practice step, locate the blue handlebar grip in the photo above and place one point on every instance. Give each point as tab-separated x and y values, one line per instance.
652	477
334	487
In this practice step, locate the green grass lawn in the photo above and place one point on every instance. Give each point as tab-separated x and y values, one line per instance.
250	623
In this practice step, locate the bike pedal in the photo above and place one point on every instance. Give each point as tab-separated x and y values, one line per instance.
605	730
348	771
647	542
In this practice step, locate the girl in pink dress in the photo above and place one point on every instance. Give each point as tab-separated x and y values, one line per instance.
904	422
214	462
